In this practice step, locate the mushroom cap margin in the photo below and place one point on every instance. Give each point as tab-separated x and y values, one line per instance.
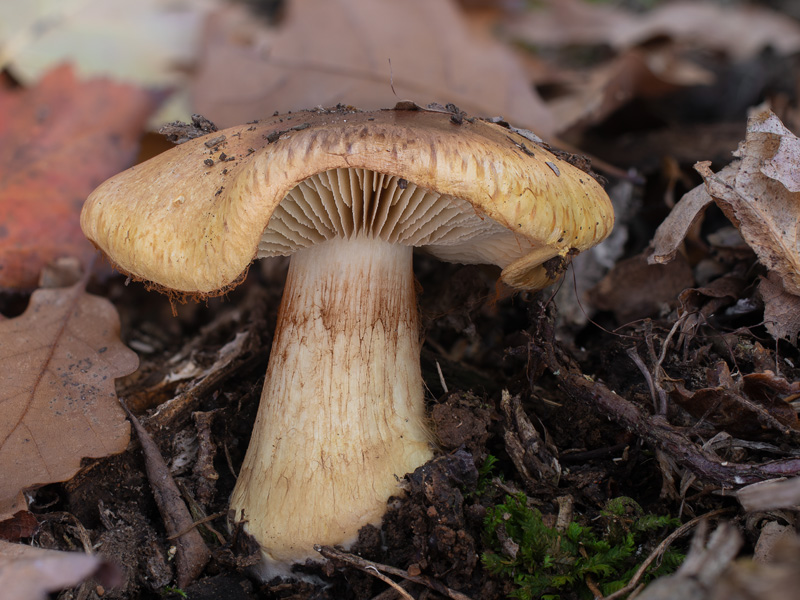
190	219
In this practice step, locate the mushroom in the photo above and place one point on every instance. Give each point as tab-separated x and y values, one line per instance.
348	194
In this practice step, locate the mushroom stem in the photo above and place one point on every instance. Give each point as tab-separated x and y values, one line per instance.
342	415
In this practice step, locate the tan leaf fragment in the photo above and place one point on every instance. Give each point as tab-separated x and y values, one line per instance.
781	309
684	215
31	573
784	163
770	495
740	31
365	53
58	361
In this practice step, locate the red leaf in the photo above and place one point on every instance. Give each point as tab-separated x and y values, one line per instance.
58	141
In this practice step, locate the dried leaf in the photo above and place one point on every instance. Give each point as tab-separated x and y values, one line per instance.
31	573
781	309
745	406
783	164
740	31
151	43
633	74
634	290
770	495
58	361
684	215
369	54
58	141
762	208
20	526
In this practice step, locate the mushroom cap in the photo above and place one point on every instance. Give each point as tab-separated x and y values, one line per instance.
190	219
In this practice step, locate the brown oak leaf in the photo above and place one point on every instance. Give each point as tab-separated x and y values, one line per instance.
368	54
58	361
760	199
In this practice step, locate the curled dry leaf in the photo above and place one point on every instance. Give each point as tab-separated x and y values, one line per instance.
31	573
757	199
760	194
331	51
686	213
635	73
58	361
743	405
58	140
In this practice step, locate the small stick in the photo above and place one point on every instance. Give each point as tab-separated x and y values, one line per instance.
192	553
371	567
389	582
441	377
660	549
202	521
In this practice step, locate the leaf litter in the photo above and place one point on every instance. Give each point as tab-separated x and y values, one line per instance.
58	363
710	341
760	194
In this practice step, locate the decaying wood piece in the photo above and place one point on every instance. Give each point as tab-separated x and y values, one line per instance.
204	470
192	554
535	459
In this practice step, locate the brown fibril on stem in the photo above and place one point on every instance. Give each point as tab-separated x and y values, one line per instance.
348	195
348	340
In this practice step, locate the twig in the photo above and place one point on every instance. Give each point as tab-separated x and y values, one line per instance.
192	553
371	567
657	431
201	522
665	346
660	549
391	593
389	582
637	360
441	377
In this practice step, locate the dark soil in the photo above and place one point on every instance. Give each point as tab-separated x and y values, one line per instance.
436	529
594	411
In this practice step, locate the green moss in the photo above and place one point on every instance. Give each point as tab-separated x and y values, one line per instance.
543	562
